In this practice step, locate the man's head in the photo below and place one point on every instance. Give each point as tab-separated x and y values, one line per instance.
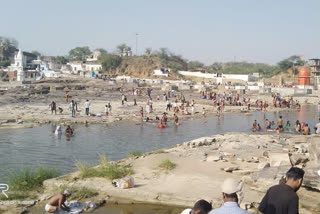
67	192
201	207
280	117
232	190
294	177
87	100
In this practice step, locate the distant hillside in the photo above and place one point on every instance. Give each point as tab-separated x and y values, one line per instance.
143	66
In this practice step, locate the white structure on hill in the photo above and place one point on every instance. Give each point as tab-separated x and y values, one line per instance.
20	63
219	78
161	72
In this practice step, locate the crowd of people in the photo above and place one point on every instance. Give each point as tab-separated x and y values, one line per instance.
299	127
279	199
182	106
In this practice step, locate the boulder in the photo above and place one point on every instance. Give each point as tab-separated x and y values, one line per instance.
263	166
314	149
214	158
296	159
231	169
279	159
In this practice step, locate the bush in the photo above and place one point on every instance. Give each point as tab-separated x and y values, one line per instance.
105	169
79	193
136	153
30	179
167	165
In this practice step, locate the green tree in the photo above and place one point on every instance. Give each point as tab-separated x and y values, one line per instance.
37	53
79	53
7	41
109	62
123	47
175	66
288	63
163	54
102	50
4	63
194	64
61	60
148	51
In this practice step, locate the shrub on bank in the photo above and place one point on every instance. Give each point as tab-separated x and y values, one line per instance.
79	193
136	153
105	169
27	178
167	165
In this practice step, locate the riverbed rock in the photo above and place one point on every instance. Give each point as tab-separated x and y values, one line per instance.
214	158
231	169
314	149
279	159
296	159
263	166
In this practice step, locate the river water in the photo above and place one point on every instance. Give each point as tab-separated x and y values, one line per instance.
39	146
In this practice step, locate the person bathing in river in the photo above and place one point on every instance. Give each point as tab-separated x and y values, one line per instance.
306	130
176	119
288	126
254	126
164	118
268	124
57	202
280	123
69	130
297	127
258	127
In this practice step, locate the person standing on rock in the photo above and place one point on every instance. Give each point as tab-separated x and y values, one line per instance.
53	107
72	108
232	196
66	96
282	198
200	207
87	106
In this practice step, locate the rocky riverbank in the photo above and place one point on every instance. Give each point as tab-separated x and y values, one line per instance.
201	165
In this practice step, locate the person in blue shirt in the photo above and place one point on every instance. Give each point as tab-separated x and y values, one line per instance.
232	196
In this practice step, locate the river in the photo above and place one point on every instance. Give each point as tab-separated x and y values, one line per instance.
39	146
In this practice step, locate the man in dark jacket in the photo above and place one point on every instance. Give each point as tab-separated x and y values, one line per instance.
282	198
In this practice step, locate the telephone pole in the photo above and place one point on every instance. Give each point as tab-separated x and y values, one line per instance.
137	44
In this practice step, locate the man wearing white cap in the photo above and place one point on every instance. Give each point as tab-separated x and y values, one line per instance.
232	196
57	202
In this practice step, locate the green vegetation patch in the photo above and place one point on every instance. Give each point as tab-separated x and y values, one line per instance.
136	153
79	193
167	165
26	179
105	169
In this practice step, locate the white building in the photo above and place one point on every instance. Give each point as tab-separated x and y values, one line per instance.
20	63
94	56
79	66
161	72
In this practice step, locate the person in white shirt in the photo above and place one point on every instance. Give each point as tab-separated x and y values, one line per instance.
317	127
87	105
232	196
200	207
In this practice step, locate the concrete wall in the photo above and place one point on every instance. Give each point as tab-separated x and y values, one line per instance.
197	74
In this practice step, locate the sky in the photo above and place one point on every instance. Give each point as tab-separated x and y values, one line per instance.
206	30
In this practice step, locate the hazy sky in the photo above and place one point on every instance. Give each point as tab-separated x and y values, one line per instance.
206	30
